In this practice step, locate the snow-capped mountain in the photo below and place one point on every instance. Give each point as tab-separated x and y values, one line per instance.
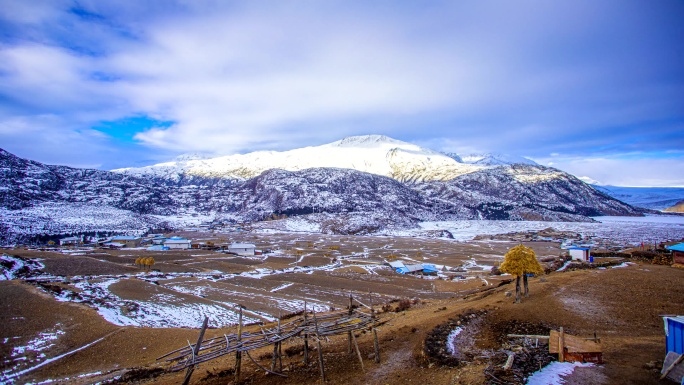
374	154
491	159
41	199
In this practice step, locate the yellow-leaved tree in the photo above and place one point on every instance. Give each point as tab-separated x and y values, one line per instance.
520	261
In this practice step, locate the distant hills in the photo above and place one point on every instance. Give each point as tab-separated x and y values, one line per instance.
677	208
654	198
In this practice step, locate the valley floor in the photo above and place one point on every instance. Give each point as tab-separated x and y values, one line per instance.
47	341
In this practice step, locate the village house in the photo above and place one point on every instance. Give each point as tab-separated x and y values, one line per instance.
673	366
402	268
246	249
126	241
581	254
68	241
677	253
177	243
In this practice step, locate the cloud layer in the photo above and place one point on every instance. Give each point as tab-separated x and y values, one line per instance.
587	80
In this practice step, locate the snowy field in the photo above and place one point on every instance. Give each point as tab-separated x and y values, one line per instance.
630	230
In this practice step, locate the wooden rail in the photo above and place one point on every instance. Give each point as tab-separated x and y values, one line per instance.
320	326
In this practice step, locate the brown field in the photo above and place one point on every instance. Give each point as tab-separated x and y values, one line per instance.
621	305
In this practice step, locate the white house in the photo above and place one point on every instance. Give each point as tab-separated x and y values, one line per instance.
580	253
126	240
242	248
177	243
69	241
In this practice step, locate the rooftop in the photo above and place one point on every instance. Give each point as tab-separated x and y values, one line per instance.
677	247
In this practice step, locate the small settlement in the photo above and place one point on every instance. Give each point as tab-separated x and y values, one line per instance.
159	242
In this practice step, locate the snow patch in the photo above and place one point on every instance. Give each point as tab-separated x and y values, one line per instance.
553	373
450	343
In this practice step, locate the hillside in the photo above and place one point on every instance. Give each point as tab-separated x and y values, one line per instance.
43	199
677	208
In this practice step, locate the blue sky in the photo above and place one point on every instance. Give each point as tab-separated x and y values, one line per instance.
595	88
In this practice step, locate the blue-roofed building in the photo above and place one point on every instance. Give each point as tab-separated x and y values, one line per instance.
402	268
177	243
157	248
677	253
674	334
580	253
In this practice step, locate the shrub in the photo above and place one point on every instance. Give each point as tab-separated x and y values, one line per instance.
403	304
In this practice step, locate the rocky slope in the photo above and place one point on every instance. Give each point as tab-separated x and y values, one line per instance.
677	208
522	192
41	199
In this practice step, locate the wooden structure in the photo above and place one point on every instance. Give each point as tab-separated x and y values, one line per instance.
318	327
575	349
677	253
673	367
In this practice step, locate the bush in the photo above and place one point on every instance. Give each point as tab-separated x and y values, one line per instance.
403	304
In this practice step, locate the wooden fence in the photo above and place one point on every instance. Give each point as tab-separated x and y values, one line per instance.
315	327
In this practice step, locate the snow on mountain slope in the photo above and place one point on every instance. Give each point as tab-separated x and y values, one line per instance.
42	199
375	154
522	192
496	159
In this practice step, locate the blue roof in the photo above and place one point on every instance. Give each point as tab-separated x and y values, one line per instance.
677	247
578	248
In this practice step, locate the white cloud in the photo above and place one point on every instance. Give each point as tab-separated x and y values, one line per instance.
645	171
527	78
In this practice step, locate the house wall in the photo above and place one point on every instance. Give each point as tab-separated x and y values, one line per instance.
241	251
181	246
582	255
675	336
678	257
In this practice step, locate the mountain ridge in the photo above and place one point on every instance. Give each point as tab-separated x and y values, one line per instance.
44	199
375	154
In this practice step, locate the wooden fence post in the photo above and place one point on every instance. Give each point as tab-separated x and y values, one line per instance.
561	345
306	338
195	351
358	352
320	350
349	333
376	346
275	346
238	353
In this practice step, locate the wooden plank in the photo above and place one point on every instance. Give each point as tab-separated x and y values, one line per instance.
673	367
530	336
573	344
195	351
